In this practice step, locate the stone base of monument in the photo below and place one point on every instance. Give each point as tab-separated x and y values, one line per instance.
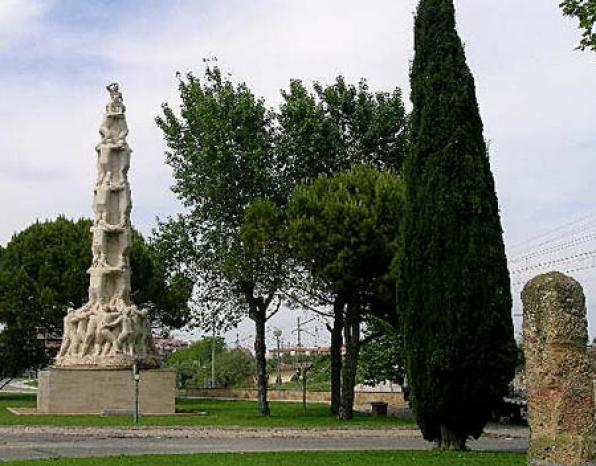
105	391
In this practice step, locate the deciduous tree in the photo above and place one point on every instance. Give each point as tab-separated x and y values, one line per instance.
585	12
221	151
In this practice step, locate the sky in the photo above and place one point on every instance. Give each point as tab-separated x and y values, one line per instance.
537	96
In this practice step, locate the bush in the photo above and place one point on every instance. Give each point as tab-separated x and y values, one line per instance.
232	368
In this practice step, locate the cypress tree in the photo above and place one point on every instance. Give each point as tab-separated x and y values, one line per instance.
453	287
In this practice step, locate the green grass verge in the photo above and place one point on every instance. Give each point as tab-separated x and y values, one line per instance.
219	413
377	458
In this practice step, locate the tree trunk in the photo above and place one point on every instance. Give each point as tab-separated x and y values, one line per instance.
350	363
336	344
450	441
258	315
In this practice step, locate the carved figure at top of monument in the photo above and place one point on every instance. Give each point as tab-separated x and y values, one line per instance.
113	129
116	104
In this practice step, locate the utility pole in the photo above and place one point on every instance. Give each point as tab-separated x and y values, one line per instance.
299	331
277	334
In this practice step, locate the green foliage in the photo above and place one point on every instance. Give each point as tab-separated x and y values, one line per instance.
19	350
453	292
342	229
585	12
193	364
381	356
233	368
221	151
196	357
235	164
339	126
43	272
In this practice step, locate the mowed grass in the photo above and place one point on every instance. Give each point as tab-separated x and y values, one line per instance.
219	413
377	458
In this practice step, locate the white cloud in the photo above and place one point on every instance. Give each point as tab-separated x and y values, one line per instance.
21	18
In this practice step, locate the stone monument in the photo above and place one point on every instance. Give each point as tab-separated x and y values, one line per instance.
108	335
558	373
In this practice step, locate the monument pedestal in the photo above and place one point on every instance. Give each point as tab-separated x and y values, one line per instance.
105	391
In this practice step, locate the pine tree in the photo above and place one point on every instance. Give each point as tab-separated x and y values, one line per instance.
454	297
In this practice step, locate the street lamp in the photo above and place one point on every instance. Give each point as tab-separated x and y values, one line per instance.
136	379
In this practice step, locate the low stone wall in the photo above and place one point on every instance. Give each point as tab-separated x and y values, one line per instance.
395	400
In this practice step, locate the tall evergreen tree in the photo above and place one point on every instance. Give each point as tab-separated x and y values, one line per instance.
454	296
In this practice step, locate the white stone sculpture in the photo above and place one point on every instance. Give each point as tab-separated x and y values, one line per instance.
109	331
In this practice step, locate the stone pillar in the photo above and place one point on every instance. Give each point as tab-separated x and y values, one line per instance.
109	331
558	373
104	338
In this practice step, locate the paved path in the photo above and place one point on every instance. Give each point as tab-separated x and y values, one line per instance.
19	386
20	443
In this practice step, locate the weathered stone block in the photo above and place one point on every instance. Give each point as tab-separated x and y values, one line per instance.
97	391
558	373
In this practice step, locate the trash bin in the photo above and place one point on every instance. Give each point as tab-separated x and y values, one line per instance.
379	409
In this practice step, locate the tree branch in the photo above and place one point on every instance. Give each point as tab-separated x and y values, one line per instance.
306	305
274	312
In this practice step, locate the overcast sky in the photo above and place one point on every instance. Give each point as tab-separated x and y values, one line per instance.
537	96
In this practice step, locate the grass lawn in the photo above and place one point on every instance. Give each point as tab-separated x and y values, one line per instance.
220	413
397	458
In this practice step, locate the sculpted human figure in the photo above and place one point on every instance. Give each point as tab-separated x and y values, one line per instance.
69	330
89	338
121	341
142	329
125	206
126	337
103	162
125	244
82	319
99	246
109	330
116	104
105	185
124	163
113	129
104	334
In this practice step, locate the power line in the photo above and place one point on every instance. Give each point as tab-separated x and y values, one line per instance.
586	228
556	248
554	230
561	260
570	268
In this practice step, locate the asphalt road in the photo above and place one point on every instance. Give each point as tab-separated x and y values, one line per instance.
23	445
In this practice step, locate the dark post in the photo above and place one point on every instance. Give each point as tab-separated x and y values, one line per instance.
277	334
136	377
304	388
